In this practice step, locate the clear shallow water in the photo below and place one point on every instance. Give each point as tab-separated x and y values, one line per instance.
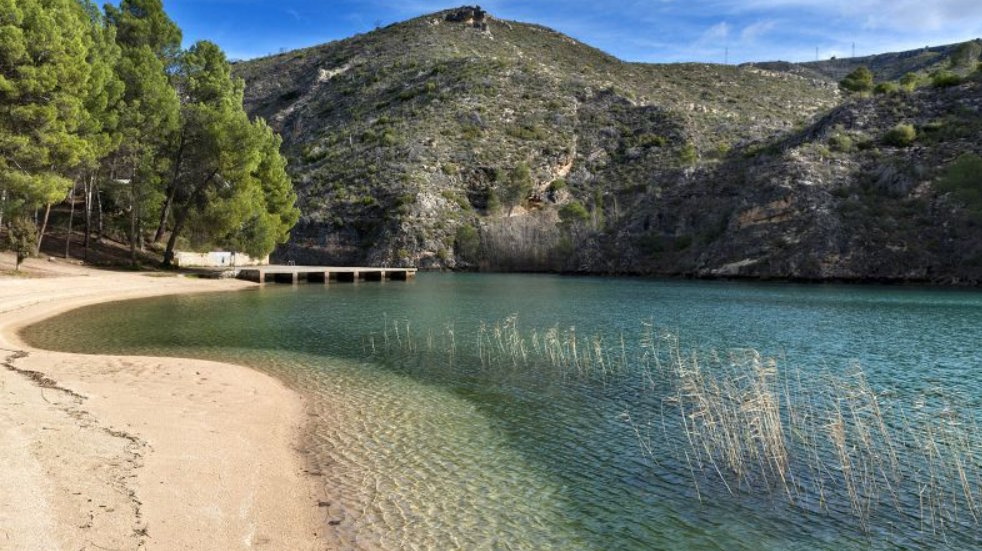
426	451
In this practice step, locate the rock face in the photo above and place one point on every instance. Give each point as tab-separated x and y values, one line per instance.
473	16
420	144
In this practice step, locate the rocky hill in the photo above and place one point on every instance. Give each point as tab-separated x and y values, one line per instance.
888	66
457	140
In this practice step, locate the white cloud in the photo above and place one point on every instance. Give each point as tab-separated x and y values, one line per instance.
719	31
898	15
756	30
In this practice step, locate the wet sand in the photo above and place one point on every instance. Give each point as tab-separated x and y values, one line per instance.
112	452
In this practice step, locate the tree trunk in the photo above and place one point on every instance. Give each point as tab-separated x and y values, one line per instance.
172	241
141	240
132	226
3	205
87	188
71	218
182	217
44	227
164	213
171	193
99	225
136	237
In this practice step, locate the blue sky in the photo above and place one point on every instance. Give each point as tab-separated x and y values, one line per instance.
634	30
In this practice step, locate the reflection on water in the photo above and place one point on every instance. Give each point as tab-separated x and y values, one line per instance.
425	442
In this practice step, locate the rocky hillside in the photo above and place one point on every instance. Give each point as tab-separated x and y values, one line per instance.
458	140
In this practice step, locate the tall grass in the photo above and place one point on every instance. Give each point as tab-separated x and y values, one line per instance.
822	441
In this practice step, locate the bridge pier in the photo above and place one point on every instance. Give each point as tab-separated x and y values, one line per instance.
323	275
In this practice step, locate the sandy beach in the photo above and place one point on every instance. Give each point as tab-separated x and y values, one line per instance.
108	452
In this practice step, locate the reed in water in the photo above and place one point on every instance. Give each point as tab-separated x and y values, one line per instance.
737	420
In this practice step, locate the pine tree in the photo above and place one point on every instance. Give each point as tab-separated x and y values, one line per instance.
150	42
273	212
93	98
231	188
22	236
44	84
145	23
100	128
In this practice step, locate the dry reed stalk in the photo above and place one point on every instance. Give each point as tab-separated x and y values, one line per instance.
830	441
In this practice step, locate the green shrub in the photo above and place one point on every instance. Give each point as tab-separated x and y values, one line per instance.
529	132
841	143
450	169
517	185
388	139
722	150
470	132
22	237
688	155
598	209
859	81
963	179
651	140
467	243
902	135
886	88
945	79
313	153
865	143
574	213
910	81
494	202
557	185
966	55
456	198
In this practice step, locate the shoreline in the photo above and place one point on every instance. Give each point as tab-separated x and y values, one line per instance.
895	282
124	452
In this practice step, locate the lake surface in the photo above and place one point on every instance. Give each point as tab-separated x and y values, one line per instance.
454	411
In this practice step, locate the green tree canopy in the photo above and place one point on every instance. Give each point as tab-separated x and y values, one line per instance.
144	23
860	81
267	201
104	94
231	186
45	73
21	239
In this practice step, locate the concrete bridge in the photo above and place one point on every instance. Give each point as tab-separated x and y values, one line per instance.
322	274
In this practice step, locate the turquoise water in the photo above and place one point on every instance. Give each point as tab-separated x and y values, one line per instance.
426	439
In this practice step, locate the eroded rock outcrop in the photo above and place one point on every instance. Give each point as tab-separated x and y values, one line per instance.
472	16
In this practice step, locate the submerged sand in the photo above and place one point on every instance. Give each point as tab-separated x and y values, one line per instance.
111	452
